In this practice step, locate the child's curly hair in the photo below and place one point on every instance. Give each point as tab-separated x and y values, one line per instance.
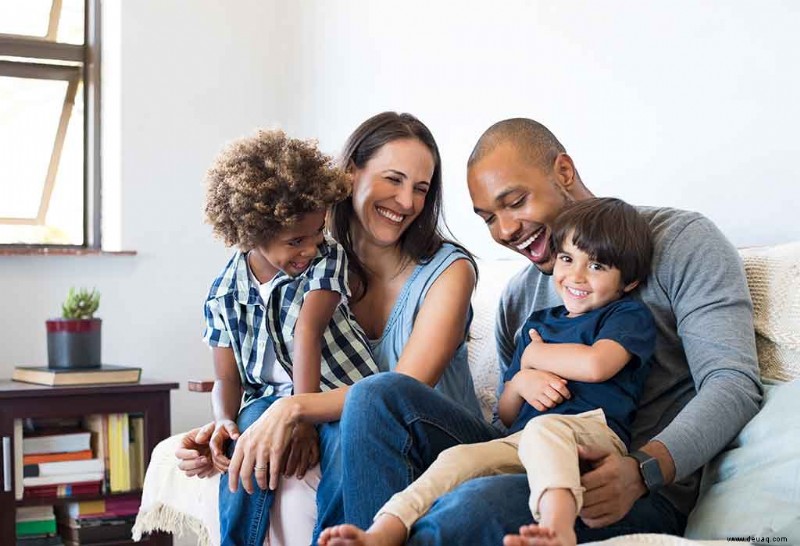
261	184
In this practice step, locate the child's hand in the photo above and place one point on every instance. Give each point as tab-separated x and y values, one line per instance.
303	450
194	455
224	430
542	390
529	356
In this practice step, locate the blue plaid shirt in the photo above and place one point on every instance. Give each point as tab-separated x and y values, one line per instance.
237	317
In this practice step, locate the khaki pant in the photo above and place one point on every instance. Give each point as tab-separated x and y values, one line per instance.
547	449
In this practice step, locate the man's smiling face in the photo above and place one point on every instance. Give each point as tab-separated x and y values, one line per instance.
519	200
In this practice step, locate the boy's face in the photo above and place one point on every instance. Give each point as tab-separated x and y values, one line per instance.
584	284
292	249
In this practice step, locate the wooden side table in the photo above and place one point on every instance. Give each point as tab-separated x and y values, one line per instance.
21	400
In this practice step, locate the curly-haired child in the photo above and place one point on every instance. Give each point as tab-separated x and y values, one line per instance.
276	317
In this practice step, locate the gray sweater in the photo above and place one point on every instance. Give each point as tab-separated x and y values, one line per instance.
704	382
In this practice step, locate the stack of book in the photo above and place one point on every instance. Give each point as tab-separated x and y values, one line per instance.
36	526
58	462
97	521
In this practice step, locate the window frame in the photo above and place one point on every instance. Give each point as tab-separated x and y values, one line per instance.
89	55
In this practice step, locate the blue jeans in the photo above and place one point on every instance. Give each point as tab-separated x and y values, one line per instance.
393	427
243	518
329	512
502	502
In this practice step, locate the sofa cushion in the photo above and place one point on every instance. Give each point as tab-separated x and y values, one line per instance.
493	275
773	276
753	487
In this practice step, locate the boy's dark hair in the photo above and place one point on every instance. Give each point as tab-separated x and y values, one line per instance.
262	184
610	231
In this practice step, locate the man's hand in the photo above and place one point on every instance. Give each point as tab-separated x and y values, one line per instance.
529	355
612	486
194	452
303	451
224	430
542	390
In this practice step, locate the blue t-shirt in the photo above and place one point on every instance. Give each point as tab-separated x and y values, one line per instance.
626	321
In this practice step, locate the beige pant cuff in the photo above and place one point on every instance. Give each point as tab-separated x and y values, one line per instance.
407	515
577	494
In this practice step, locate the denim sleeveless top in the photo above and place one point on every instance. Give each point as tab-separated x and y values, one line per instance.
456	382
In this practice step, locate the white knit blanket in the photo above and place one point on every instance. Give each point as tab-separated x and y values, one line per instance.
174	503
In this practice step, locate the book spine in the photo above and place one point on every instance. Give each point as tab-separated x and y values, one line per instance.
63	467
18	460
56	443
63	479
62	490
41	527
56	457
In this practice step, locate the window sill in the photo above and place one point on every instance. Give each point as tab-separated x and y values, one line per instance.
61	251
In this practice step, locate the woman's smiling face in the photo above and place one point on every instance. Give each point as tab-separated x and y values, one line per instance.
389	191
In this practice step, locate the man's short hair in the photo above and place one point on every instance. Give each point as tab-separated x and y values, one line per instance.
533	141
609	230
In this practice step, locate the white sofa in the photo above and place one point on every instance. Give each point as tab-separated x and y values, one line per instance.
750	490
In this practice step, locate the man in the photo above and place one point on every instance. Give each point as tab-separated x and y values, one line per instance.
703	385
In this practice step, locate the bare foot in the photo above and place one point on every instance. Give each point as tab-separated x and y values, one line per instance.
349	535
535	535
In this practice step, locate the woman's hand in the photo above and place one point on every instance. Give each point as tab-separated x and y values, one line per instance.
194	452
303	451
262	447
224	430
542	390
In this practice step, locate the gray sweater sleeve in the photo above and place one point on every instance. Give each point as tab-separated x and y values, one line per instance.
504	336
704	278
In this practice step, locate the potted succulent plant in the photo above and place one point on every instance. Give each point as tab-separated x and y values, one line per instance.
73	341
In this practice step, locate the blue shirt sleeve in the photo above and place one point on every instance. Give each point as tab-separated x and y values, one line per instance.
516	360
630	324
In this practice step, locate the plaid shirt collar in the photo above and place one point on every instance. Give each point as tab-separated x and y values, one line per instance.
243	290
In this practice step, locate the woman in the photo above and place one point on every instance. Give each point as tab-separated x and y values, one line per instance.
411	290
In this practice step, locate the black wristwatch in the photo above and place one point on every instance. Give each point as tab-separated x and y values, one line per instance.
649	469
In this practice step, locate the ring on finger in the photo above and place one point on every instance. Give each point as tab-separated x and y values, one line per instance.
260	468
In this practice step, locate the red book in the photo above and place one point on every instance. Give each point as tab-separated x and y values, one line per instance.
62	490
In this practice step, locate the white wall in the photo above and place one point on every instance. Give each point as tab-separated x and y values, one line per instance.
689	104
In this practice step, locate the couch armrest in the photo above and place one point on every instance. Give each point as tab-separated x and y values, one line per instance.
200	385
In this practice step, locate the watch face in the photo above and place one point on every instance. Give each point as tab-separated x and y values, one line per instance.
652	474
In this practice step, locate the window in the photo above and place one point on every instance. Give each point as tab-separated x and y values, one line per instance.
49	123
